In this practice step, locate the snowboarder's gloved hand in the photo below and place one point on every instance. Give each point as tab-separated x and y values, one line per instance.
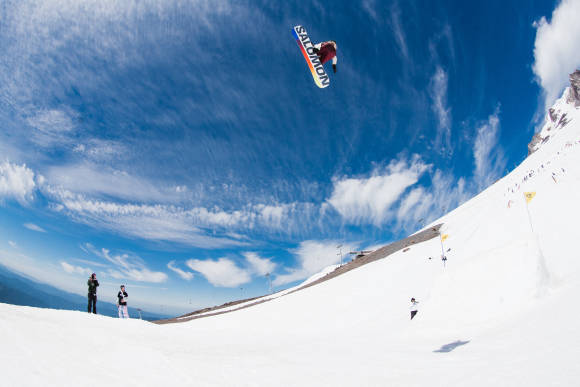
316	50
334	68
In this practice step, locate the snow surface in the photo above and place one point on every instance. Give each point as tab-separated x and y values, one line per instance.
501	312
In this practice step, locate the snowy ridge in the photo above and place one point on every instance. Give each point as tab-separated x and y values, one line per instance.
499	312
565	110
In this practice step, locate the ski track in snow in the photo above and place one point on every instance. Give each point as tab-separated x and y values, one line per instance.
500	312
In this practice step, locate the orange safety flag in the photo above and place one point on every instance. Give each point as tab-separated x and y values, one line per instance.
529	196
444	236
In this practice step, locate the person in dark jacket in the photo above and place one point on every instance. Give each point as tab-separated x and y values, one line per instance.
327	51
93	285
122	303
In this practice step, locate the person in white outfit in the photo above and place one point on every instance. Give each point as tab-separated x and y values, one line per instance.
122	303
414	307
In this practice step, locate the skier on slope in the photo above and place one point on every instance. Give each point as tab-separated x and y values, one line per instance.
414	307
327	51
92	284
122	303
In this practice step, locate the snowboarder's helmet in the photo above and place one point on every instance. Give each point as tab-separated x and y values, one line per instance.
122	286
412	299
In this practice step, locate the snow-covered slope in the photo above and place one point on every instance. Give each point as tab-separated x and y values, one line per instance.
564	111
501	312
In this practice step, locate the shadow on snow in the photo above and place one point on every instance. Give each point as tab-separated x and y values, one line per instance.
451	346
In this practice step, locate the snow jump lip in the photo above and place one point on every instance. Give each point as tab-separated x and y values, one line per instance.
320	77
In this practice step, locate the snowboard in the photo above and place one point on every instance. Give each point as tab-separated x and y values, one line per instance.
321	79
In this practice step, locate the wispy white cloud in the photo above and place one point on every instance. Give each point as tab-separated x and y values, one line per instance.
557	49
128	267
186	275
368	200
259	266
89	262
369	7
16	182
398	31
409	202
98	150
422	205
438	93
272	215
97	181
174	223
74	191
34	227
222	272
312	256
72	269
151	222
51	127
13	244
445	36
489	158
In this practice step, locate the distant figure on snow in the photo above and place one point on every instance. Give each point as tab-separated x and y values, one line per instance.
327	51
93	285
413	307
122	303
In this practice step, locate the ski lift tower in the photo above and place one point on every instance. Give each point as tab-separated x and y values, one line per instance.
339	247
269	283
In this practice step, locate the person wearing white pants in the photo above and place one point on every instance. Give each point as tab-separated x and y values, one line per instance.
414	307
122	303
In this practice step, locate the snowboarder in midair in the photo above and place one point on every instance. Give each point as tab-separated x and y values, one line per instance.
93	284
413	307
122	303
327	51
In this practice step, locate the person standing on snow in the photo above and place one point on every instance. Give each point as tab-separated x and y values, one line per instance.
327	51
122	303
93	285
413	307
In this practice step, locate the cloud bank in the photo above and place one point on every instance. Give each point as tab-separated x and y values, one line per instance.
260	266
368	200
34	227
222	272
186	275
557	49
16	182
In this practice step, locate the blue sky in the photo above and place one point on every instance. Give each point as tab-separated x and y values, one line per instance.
182	148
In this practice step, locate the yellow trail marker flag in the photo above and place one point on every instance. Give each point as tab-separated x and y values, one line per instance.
529	196
444	236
